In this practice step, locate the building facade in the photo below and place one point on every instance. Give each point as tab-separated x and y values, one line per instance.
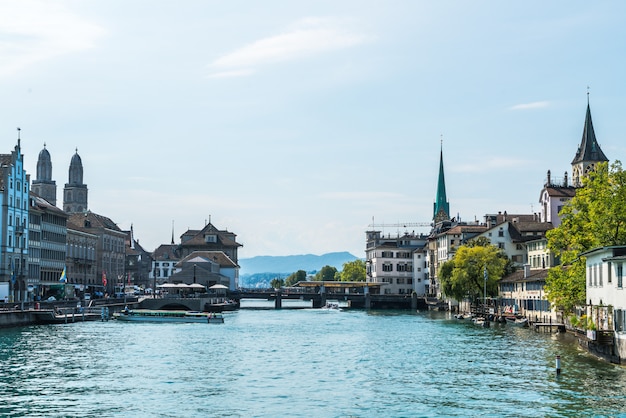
606	298
47	244
14	187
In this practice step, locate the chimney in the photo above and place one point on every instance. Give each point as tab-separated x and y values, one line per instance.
549	179
565	180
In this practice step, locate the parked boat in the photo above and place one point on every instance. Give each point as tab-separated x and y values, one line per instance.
63	316
149	315
518	322
332	306
225	305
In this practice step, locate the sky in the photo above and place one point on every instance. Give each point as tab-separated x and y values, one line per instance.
298	124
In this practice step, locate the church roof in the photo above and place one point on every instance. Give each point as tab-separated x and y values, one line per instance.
441	210
589	149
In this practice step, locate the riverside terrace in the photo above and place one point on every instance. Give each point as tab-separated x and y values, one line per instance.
358	294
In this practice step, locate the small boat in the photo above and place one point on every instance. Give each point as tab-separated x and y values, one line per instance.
518	322
332	306
481	322
63	316
149	315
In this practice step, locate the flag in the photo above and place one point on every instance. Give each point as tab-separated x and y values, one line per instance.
63	277
104	278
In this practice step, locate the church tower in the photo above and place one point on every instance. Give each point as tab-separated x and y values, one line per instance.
43	185
441	211
588	154
75	192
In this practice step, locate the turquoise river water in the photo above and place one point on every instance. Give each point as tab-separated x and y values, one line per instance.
302	363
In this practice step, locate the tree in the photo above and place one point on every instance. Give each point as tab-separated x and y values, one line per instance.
277	283
298	276
595	217
353	271
327	273
464	275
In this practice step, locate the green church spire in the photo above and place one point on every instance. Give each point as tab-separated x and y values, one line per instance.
441	206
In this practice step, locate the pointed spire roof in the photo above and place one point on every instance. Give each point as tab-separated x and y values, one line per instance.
589	149
441	210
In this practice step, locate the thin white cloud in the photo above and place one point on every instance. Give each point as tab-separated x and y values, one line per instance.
305	38
532	105
234	73
495	163
360	196
32	31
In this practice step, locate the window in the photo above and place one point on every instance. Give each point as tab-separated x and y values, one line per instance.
500	233
619	275
387	267
609	279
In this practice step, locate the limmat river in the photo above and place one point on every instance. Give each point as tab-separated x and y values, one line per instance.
302	363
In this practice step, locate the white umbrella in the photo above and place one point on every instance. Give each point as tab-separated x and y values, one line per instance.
196	286
218	286
168	285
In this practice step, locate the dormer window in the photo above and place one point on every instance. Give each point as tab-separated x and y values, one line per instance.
210	238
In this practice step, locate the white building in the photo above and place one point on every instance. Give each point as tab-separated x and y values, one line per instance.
397	261
606	299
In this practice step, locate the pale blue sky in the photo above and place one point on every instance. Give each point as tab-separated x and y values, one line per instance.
293	123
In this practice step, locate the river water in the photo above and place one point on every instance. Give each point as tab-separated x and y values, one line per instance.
302	363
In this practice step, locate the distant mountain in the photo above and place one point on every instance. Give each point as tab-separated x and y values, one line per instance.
259	271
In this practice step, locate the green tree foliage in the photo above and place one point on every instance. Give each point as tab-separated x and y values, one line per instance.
277	283
327	273
353	271
595	217
298	276
464	275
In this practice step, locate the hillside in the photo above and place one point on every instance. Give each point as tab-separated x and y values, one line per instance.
259	271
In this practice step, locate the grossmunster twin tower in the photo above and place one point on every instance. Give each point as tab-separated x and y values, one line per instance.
40	243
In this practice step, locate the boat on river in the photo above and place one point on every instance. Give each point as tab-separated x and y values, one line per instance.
153	315
518	322
64	316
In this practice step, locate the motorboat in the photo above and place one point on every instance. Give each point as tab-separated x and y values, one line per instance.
518	322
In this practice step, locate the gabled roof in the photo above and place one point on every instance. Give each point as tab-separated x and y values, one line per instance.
465	229
217	257
42	204
519	276
193	238
559	191
589	149
88	221
166	252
